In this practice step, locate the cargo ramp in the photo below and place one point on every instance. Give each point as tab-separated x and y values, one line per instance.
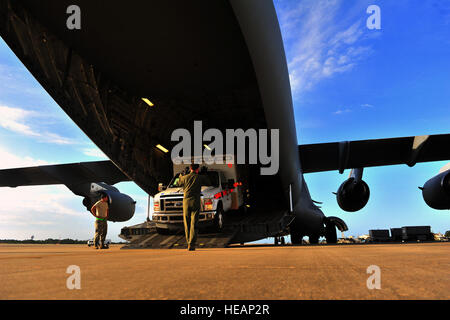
238	228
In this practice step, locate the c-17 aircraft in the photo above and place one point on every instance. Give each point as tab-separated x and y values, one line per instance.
133	72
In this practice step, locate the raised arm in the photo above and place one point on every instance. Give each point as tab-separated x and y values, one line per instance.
180	180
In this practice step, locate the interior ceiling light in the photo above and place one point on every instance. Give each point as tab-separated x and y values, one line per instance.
160	147
148	102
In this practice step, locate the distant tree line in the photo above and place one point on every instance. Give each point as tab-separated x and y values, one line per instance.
447	234
47	241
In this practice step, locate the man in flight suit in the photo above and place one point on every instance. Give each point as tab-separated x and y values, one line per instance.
192	184
100	211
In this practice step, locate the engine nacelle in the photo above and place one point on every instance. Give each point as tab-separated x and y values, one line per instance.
121	206
436	191
353	195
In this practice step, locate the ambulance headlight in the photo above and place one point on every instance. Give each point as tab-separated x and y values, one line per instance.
207	204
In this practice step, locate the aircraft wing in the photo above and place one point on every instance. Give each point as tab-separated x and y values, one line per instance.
67	174
371	153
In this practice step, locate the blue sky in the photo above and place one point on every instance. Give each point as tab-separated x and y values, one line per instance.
348	83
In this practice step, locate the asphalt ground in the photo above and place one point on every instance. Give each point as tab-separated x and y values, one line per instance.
407	271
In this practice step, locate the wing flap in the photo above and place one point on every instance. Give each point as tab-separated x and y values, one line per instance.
67	174
371	153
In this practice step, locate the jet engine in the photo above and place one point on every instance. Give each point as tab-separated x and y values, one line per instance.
121	206
436	191
353	195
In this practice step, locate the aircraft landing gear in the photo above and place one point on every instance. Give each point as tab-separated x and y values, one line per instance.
296	238
313	239
330	233
279	240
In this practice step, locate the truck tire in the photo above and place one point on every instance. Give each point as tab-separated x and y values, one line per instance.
162	231
219	219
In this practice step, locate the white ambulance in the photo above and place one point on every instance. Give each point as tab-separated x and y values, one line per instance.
225	193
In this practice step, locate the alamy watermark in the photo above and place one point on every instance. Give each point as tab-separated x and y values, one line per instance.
74	20
374	281
374	21
74	280
212	141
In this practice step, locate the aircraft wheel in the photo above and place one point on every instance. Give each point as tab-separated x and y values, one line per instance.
313	239
296	238
330	233
276	241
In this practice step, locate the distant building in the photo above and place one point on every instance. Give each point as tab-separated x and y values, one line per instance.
407	233
417	233
379	235
396	234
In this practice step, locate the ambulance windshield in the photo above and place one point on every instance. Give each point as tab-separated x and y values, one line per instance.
213	177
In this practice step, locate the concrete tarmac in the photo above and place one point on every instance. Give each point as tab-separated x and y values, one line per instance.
408	271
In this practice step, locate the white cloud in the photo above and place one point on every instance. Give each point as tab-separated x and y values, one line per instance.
55	138
95	153
342	111
51	211
25	207
320	44
347	110
42	201
39	200
10	160
17	120
12	119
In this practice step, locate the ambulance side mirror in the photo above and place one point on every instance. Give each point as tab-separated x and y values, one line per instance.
161	187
